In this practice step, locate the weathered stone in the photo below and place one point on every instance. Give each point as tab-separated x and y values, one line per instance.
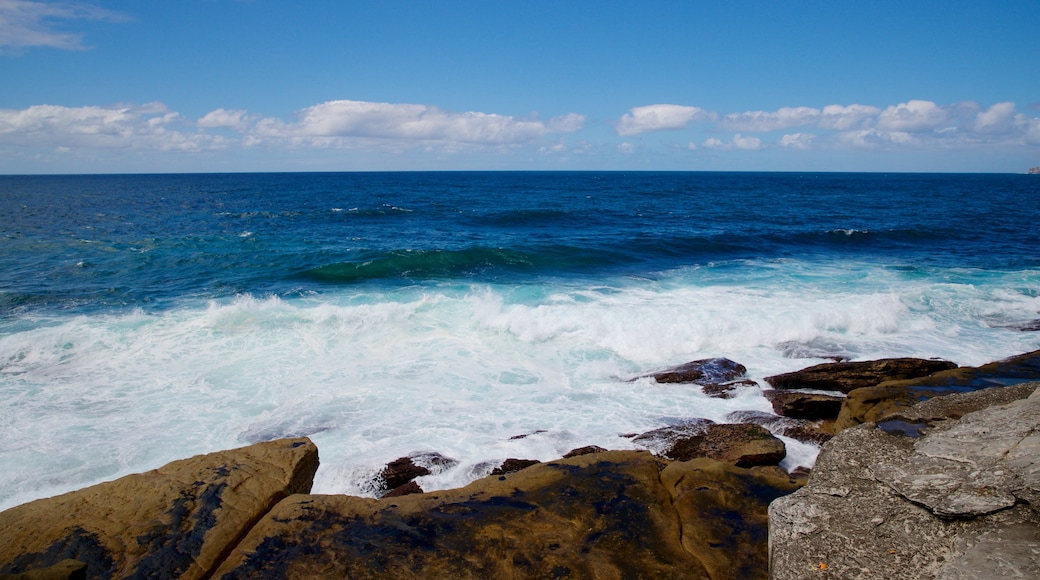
513	465
614	514
846	376
802	405
64	570
740	444
584	451
726	390
711	371
880	506
399	472
873	404
404	489
175	521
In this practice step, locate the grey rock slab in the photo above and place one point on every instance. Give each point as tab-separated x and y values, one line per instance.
977	465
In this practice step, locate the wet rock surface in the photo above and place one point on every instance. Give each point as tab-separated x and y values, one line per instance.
847	376
874	404
705	372
615	514
960	501
740	444
176	521
801	405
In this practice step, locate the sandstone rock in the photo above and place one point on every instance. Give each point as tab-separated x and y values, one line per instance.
804	405
712	371
960	502
816	432
740	444
513	465
404	489
873	404
726	390
615	514
175	521
584	451
402	470
846	376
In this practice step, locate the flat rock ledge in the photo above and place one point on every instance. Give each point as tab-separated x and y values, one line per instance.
247	513
961	501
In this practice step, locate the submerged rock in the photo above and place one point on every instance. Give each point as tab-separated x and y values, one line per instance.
175	521
711	371
513	465
846	376
800	405
740	444
403	470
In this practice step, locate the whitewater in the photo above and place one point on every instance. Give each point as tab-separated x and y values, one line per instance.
480	316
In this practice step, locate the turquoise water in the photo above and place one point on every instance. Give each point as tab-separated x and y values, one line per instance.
148	318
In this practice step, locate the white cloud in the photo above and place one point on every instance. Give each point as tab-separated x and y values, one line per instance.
26	23
151	126
999	118
839	118
765	121
237	119
913	117
797	140
327	124
746	143
626	147
659	118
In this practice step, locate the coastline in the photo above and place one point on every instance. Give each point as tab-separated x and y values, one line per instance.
643	512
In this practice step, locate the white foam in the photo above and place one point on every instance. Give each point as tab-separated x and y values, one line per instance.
453	369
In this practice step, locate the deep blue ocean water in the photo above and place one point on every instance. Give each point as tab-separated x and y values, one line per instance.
144	318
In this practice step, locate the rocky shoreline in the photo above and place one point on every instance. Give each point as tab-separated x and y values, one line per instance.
909	443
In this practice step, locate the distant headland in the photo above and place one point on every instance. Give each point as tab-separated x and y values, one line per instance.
1034	171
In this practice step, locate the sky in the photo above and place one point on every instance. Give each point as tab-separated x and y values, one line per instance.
140	86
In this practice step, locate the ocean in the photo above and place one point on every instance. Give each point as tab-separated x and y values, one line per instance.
148	318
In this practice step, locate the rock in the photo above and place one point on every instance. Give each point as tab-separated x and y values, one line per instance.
178	520
404	469
816	432
962	501
584	451
711	371
405	489
725	390
740	444
64	570
846	376
873	404
615	514
399	472
804	405
512	465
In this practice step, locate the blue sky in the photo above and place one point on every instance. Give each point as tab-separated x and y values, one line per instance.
264	85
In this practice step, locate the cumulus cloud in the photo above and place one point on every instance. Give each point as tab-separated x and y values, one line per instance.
913	117
26	23
659	118
839	118
326	123
999	118
151	126
765	121
797	140
237	119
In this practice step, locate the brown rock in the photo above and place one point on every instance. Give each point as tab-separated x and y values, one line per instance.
406	489
846	376
614	514
725	390
711	371
740	444
175	521
816	432
584	451
401	471
804	405
873	404
512	465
